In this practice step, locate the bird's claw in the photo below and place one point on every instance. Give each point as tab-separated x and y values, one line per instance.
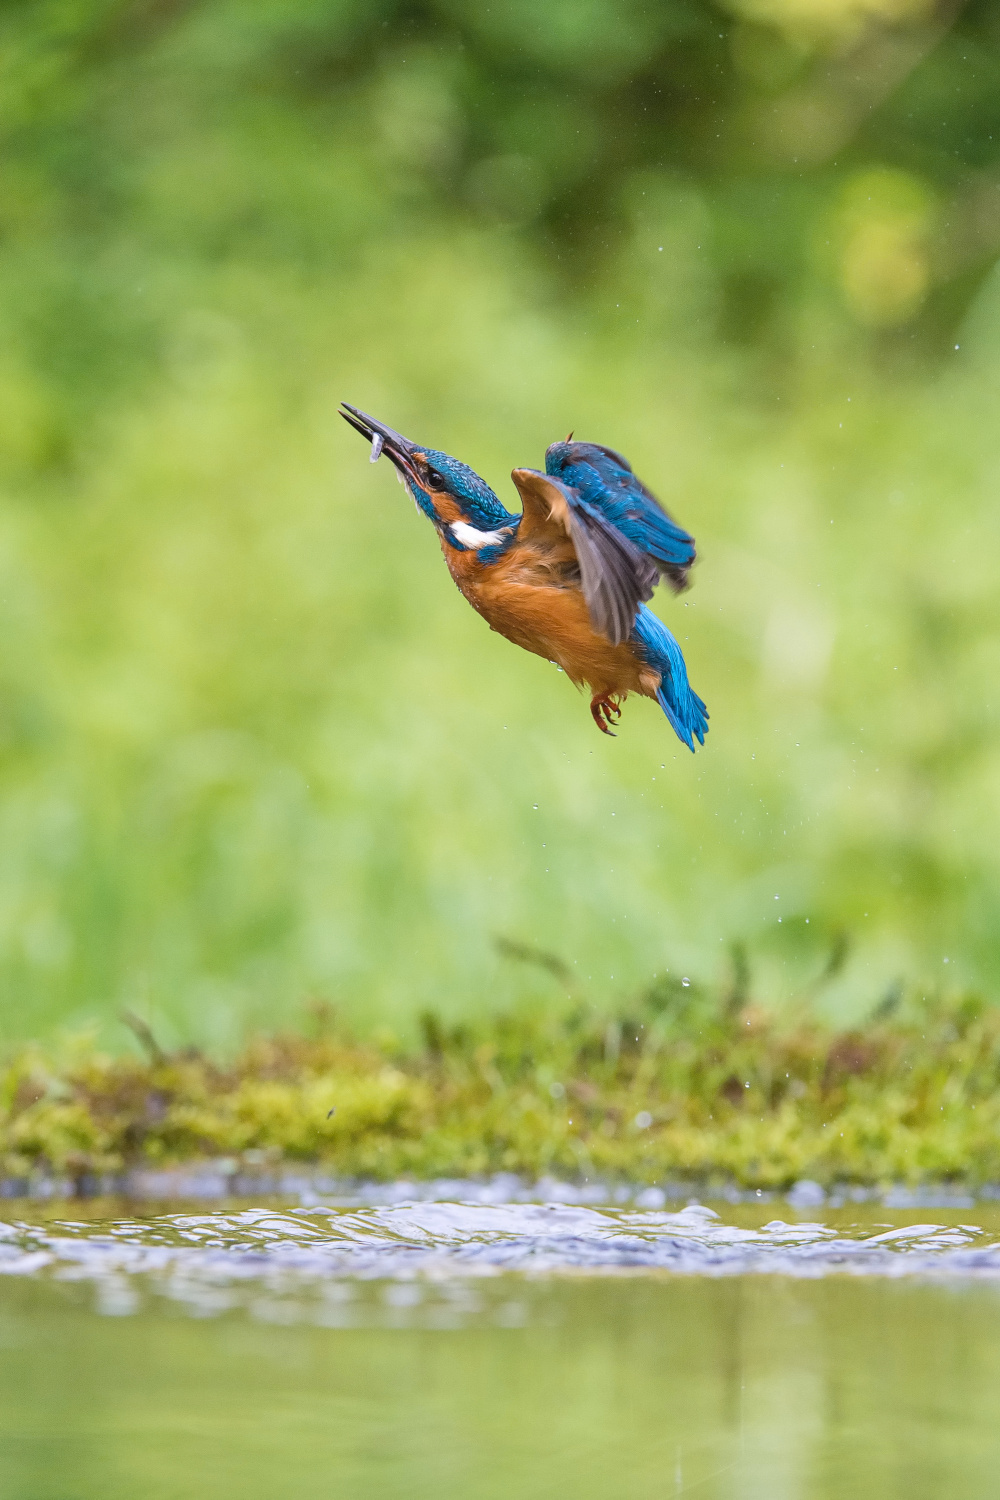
606	712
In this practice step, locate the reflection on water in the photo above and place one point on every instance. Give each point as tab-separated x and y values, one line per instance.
488	1349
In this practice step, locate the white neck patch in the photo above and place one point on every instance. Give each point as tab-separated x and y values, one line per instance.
470	537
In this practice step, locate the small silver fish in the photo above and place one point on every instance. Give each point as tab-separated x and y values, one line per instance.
377	443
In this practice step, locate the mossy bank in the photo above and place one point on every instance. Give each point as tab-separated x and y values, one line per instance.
689	1087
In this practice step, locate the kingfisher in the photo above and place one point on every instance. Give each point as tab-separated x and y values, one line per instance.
568	578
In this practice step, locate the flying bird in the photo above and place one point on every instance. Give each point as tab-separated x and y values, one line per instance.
567	578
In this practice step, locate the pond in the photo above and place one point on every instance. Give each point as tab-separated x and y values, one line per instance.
488	1348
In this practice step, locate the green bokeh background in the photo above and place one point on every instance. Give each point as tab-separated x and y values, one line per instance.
255	750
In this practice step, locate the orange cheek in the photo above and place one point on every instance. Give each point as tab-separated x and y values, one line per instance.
445	506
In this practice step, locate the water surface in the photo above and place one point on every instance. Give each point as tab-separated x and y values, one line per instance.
485	1349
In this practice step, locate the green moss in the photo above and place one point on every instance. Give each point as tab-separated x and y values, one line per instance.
685	1088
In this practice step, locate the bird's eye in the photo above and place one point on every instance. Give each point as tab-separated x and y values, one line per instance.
434	478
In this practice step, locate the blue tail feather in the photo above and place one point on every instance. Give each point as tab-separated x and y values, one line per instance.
687	713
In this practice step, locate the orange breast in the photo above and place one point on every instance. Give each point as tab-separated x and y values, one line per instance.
526	597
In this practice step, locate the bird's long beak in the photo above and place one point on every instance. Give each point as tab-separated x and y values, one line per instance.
383	440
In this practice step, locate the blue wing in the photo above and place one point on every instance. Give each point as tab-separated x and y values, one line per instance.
604	480
615	574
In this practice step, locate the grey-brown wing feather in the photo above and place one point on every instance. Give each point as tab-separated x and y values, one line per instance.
616	576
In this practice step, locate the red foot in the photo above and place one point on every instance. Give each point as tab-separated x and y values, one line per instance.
606	712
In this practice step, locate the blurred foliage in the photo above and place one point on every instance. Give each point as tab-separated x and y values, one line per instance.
685	1086
832	157
252	746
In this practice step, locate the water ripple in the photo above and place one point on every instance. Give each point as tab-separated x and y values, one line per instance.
269	1260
